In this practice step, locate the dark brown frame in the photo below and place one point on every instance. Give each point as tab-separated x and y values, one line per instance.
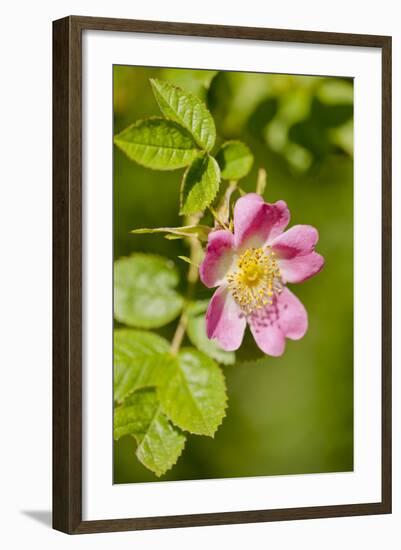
67	275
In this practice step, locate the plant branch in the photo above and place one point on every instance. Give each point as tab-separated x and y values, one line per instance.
192	278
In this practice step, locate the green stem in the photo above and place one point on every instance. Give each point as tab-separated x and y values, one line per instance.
192	278
261	181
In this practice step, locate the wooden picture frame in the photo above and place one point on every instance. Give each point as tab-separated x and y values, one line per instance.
67	274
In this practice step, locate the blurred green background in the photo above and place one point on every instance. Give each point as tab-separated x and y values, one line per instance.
287	415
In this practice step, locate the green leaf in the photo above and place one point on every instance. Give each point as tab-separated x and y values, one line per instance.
200	185
235	160
144	294
137	356
187	110
158	143
192	392
200	232
196	330
159	442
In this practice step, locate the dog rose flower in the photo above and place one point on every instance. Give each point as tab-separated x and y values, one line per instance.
251	268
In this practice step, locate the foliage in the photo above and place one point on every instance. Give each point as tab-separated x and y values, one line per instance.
163	394
187	110
301	118
137	355
158	143
159	442
199	185
185	137
144	291
235	160
160	390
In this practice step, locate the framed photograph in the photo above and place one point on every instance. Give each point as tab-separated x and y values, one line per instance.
222	275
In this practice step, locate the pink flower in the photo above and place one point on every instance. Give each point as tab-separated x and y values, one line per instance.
251	268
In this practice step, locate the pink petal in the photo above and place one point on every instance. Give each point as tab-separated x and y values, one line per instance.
269	338
224	320
300	239
286	317
282	219
301	268
218	258
256	222
295	250
292	315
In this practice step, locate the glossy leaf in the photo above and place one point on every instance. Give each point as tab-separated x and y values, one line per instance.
235	160
144	294
199	185
158	143
192	392
159	442
187	110
137	356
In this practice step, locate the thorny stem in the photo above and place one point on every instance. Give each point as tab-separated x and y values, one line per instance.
192	278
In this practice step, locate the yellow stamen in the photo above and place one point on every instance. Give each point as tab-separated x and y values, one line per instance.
255	279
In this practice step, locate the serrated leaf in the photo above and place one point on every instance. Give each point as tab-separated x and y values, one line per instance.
158	143
144	294
135	414
235	160
192	392
201	232
137	356
199	185
187	110
196	330
159	442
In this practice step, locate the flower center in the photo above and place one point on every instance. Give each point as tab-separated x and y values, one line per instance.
255	280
